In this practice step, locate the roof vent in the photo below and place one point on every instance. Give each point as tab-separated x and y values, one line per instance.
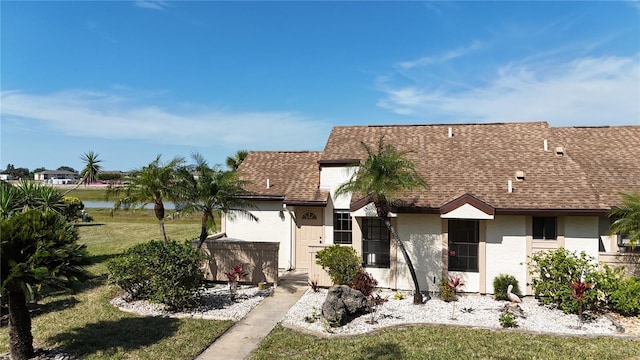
268	184
520	175
509	186
559	151
546	145
450	132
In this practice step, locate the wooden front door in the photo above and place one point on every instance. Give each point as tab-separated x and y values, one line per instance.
309	231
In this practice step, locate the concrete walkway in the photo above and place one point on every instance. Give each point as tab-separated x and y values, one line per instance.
245	335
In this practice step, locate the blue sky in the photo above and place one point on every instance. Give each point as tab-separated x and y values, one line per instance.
133	79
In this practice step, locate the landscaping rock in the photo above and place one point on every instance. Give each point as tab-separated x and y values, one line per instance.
343	304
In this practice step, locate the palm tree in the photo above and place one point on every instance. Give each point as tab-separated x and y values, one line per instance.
90	171
233	162
37	247
627	217
384	176
211	191
151	184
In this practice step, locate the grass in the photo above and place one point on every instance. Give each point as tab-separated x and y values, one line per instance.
88	193
84	323
442	342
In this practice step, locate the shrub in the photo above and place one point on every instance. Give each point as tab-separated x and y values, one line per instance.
608	280
341	262
447	293
500	285
626	298
508	320
364	282
552	273
72	208
169	274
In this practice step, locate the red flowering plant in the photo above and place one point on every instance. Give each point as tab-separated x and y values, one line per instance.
455	284
579	289
233	277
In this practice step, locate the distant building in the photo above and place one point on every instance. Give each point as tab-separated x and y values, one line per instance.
6	177
55	175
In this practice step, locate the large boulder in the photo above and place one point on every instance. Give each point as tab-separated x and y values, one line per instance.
343	304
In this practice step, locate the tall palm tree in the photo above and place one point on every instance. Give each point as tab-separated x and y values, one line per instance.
151	184
211	191
627	217
385	175
90	171
233	162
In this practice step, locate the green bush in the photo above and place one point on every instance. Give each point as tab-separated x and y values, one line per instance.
553	270
341	262
500	285
447	293
508	320
170	274
626	298
72	208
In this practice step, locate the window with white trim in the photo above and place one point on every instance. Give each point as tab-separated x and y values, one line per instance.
464	237
376	243
341	227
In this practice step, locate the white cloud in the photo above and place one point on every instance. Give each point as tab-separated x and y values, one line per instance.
583	91
444	57
151	4
94	114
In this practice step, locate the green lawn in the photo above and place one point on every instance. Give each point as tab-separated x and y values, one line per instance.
86	324
442	342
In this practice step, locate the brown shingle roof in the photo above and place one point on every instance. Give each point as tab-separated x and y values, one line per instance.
292	175
479	159
609	156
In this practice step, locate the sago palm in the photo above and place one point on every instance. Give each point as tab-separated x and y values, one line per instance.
210	191
384	176
152	184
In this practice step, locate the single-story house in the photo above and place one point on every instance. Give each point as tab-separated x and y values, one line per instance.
497	194
55	174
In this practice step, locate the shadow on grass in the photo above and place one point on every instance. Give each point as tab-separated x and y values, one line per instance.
111	337
386	350
88	224
97	259
53	306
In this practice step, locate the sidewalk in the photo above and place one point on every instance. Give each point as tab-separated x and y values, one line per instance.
245	335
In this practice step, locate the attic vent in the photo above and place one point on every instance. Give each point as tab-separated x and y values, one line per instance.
268	184
450	133
520	175
560	151
546	145
509	186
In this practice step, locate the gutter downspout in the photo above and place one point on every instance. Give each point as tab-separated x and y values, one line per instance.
291	245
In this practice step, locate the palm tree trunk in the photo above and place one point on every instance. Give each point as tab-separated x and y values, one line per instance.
82	180
203	230
158	208
417	295
20	338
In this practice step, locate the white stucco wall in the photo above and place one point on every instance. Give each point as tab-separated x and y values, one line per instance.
330	179
581	234
506	250
422	235
274	225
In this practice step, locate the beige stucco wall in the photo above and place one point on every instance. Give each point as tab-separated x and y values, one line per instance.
506	251
422	235
581	234
330	179
274	225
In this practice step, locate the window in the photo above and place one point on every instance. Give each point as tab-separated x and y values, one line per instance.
308	215
544	228
375	243
464	236
341	227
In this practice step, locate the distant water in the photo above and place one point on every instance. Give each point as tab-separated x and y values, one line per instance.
90	204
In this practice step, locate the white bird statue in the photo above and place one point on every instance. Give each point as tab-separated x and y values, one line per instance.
513	297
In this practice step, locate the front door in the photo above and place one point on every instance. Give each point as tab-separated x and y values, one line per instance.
309	231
